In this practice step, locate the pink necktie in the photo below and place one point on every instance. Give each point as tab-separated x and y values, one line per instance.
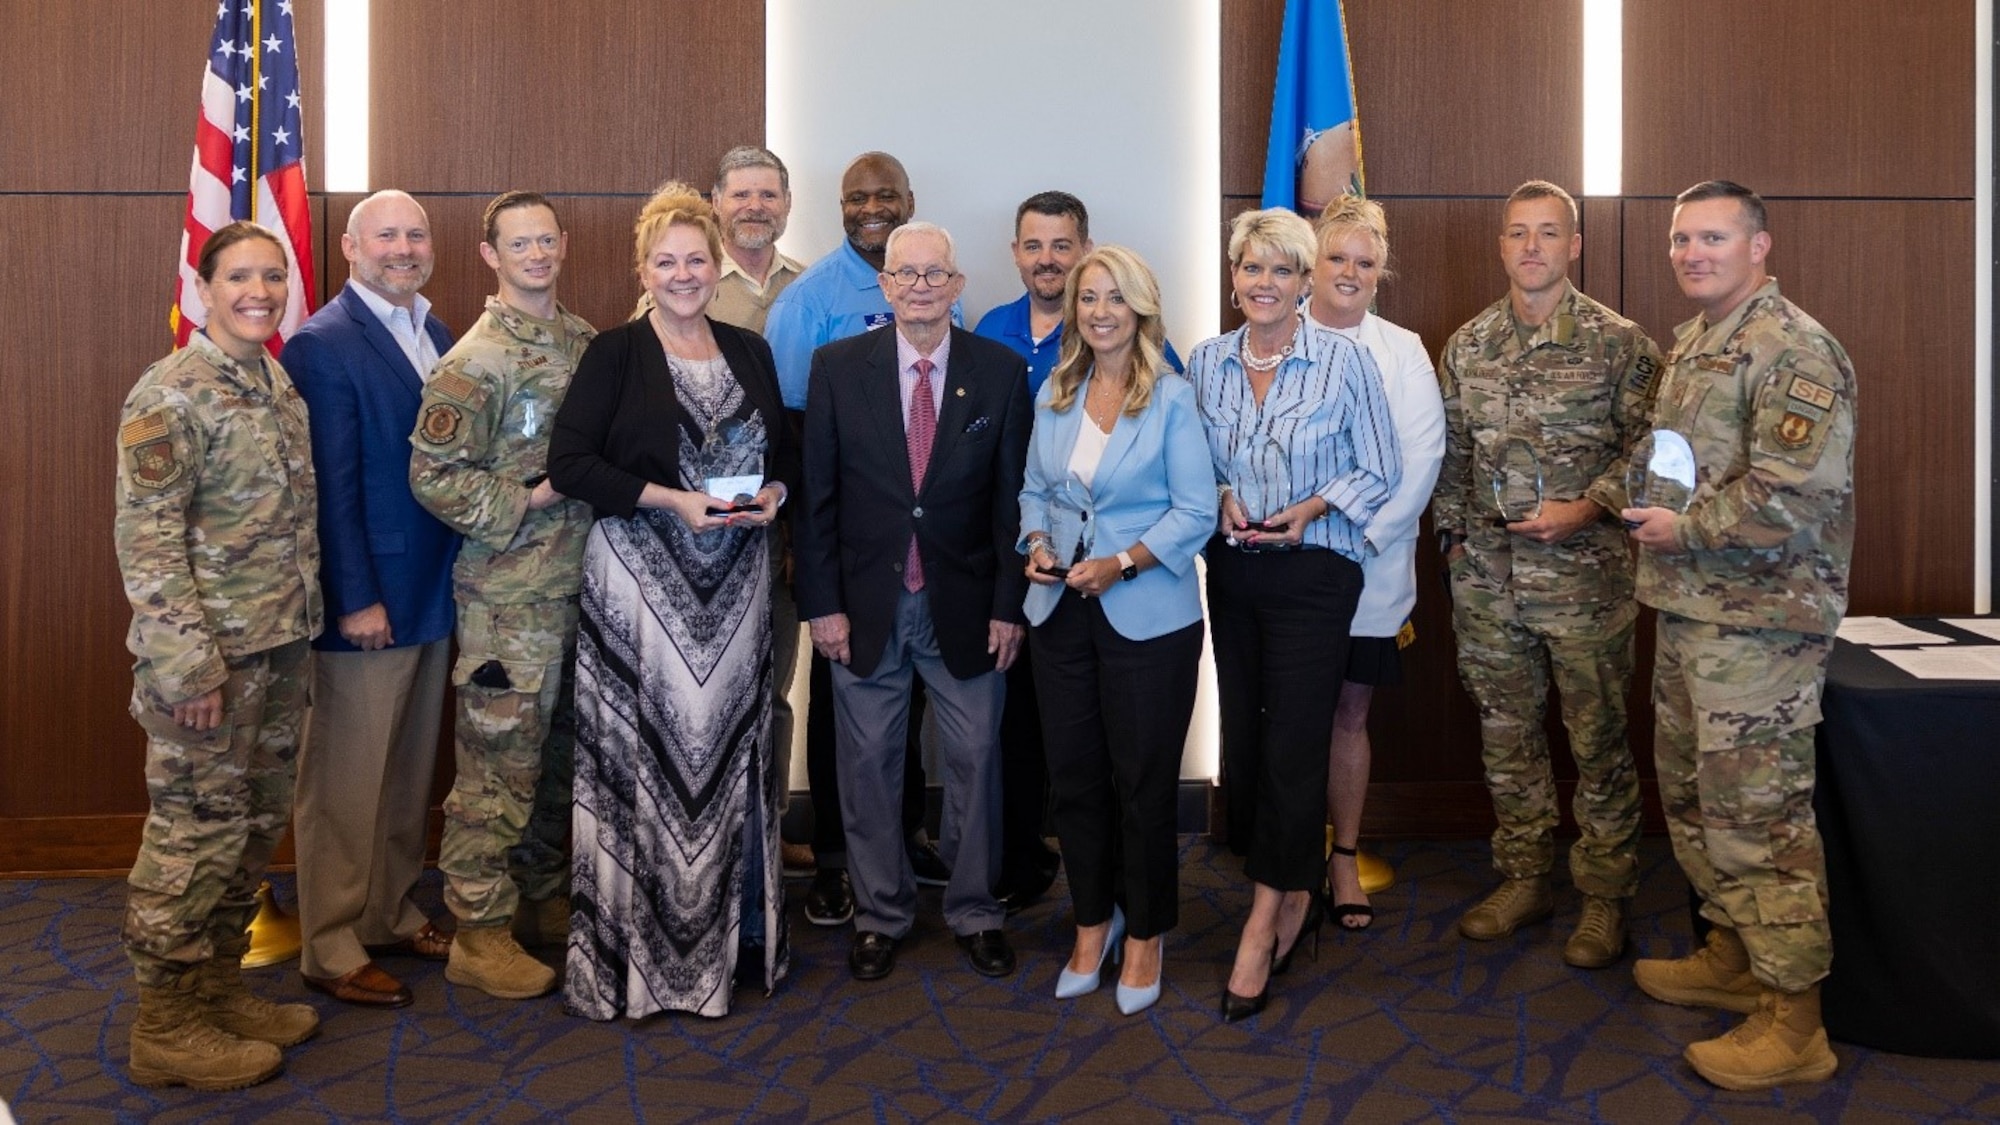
918	436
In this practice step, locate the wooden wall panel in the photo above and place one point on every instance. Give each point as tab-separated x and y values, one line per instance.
1801	97
1893	282
609	96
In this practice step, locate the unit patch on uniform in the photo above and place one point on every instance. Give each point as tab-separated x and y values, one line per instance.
1811	393
440	424
1794	430
151	449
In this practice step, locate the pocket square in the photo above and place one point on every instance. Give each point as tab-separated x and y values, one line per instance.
978	424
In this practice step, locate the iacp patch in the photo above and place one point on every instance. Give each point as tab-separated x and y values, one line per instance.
148	443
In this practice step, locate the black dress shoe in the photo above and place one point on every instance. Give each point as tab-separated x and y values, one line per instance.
929	867
830	900
872	956
989	953
1016	890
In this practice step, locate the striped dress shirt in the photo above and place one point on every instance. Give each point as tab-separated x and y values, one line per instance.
1324	429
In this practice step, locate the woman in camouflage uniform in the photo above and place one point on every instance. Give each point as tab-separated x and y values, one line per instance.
219	552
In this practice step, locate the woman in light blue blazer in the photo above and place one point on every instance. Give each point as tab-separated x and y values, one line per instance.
1118	499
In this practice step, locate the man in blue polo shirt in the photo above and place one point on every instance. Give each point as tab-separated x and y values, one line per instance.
836	297
1051	234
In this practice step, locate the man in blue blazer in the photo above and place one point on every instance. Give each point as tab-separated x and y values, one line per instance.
915	438
379	676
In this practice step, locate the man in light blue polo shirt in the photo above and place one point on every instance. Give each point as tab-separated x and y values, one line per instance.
1051	234
836	297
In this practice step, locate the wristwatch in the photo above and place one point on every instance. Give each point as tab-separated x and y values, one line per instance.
1127	569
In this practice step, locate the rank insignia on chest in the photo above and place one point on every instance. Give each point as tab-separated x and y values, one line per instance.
440	423
1794	430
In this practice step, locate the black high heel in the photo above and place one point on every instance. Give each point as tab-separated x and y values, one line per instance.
1236	1007
1353	916
1314	918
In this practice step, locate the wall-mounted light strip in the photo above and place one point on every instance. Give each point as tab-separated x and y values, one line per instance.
1603	96
344	73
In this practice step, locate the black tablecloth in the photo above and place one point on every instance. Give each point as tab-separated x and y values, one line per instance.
1909	804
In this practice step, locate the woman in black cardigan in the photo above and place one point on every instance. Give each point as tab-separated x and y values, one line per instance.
673	430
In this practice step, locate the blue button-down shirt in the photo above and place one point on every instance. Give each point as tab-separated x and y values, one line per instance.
836	297
1324	429
1011	325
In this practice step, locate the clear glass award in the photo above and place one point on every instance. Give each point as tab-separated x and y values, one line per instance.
1660	473
727	464
1266	487
1517	481
1072	526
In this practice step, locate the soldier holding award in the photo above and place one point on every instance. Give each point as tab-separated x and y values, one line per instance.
1544	392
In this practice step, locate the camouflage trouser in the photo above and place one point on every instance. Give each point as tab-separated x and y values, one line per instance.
1506	653
1735	711
508	812
220	801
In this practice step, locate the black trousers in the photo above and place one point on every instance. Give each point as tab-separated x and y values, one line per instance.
1115	717
1024	775
829	837
1280	621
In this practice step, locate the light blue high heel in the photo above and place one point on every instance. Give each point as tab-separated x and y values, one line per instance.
1132	1001
1070	985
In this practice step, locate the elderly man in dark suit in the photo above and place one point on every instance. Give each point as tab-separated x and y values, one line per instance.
379	677
915	443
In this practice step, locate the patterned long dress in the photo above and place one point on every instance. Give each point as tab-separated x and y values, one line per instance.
673	770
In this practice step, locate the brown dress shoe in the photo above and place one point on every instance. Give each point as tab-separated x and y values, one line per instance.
429	944
367	986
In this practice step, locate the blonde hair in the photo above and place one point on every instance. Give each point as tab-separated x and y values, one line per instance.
1351	213
1135	282
674	204
1273	229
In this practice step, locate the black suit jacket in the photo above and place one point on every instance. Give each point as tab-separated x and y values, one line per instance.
860	509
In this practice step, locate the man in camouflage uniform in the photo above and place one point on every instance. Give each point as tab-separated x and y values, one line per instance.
219	551
1751	583
478	462
1550	593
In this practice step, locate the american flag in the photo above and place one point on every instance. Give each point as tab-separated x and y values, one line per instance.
248	157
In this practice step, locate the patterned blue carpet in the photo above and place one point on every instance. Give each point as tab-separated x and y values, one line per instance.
1404	1023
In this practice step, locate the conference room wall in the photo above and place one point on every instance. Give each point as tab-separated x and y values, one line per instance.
1460	102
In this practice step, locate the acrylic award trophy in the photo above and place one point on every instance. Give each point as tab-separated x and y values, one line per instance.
1517	481
1661	473
1072	528
725	452
1265	490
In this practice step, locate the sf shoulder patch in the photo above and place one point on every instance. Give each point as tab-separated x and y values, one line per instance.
152	461
1812	394
440	424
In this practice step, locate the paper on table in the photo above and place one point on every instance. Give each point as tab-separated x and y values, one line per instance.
1873	631
1967	662
1984	626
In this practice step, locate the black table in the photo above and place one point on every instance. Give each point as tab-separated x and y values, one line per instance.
1908	802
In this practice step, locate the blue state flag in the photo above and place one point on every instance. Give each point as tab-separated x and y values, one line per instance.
1315	149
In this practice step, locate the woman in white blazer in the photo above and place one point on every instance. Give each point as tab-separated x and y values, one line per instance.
1353	256
1118	498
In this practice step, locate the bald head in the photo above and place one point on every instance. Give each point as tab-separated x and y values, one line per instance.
388	246
875	199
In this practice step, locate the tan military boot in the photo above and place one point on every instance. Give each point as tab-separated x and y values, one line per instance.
1782	1042
542	921
1715	976
1516	903
228	1005
1599	939
489	959
173	1046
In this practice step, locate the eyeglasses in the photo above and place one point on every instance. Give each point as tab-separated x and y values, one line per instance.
936	279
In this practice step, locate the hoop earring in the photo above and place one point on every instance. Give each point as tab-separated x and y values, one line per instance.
1233	302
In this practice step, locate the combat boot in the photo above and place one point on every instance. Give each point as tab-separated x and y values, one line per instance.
542	921
489	959
173	1046
1782	1042
1599	939
1715	976
1516	903
228	1005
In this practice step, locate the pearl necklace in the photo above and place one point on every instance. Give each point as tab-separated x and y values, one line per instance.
1268	363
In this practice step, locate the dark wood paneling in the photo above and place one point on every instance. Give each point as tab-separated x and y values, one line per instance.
612	96
1893	282
1800	97
1454	98
103	96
